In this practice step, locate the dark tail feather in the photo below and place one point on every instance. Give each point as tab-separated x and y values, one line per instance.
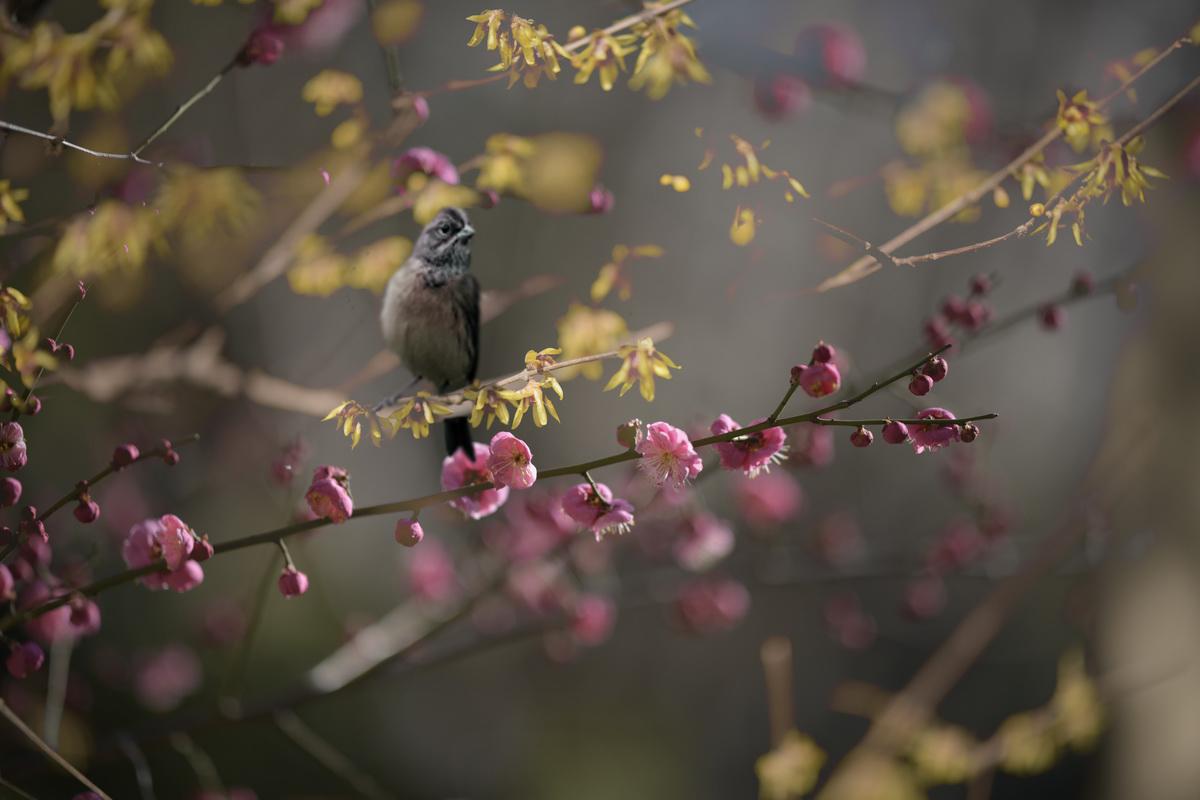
458	435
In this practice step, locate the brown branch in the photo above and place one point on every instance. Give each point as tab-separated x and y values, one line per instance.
47	750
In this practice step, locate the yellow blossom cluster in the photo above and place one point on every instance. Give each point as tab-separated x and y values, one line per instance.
82	70
614	274
23	354
319	271
527	51
640	364
789	769
586	331
11	198
1082	122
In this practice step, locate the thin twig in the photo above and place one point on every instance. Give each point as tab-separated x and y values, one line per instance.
182	109
141	767
48	751
329	756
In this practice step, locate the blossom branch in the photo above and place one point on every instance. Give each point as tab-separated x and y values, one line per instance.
818	416
867	264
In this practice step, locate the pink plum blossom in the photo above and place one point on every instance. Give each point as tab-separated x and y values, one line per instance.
711	605
13	454
597	510
668	457
817	380
704	541
511	462
426	161
752	453
25	659
931	437
166	538
592	619
328	495
769	500
459	471
292	582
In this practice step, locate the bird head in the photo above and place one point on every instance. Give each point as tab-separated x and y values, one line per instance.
446	240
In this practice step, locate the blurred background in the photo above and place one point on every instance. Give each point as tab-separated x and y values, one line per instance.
1094	435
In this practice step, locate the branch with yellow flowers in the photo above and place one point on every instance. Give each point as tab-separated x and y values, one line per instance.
631	373
1072	118
1116	167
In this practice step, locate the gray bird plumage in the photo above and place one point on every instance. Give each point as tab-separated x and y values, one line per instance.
430	313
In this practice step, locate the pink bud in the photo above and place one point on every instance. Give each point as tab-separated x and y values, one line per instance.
823	353
592	619
970	432
600	200
409	532
954	307
936	368
862	437
980	285
837	49
124	455
1052	316
264	47
85	616
10	492
33	406
68	351
895	432
778	97
925	597
421	108
24	660
202	550
1083	283
88	510
292	582
920	385
820	380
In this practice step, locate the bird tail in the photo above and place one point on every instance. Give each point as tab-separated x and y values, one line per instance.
458	435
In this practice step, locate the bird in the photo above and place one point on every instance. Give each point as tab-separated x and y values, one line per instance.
430	315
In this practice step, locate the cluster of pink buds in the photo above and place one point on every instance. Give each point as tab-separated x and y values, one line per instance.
820	377
969	314
824	55
60	349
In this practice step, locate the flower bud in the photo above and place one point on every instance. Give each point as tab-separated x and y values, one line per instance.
10	492
920	385
820	380
823	353
981	285
292	582
629	434
202	550
862	437
33	406
600	200
409	532
953	307
264	47
895	432
1052	316
1083	284
24	660
88	510
124	455
936	368
68	352
970	432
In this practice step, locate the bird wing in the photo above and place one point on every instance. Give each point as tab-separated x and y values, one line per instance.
468	299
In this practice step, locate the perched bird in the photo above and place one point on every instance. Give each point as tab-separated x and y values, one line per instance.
430	313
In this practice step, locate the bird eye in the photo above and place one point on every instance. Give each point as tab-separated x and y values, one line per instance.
444	229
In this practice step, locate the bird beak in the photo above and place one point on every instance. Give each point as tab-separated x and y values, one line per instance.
466	233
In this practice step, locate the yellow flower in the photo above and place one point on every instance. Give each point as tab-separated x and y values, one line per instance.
943	754
15	307
503	163
417	414
331	88
539	360
436	195
604	54
640	364
1081	120
1033	172
1078	712
374	264
112	236
489	403
790	769
203	202
741	232
10	209
613	273
1027	744
667	56
293	12
936	121
318	271
348	416
1117	166
526	50
532	398
584	331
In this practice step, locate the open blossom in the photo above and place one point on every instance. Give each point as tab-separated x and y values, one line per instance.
769	500
704	541
424	161
165	538
511	462
931	437
13	455
668	456
597	510
329	494
752	453
459	471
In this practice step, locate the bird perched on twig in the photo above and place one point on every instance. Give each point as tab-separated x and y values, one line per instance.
430	314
